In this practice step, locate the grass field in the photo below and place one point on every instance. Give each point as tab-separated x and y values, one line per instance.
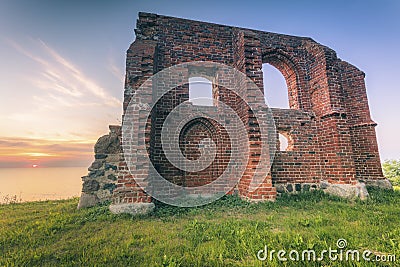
228	232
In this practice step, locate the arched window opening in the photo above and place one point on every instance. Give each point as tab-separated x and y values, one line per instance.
200	91
275	87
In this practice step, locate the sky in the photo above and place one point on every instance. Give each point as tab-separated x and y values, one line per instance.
62	64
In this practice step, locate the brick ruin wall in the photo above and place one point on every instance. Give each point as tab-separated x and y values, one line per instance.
329	128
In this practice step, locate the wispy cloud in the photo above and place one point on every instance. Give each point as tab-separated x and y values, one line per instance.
18	145
49	95
61	78
116	71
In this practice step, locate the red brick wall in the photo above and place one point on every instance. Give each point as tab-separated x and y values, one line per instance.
329	125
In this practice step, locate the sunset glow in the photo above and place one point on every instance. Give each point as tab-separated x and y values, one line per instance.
25	152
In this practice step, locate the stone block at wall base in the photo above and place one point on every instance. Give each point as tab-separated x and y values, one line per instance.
381	183
131	208
87	200
349	191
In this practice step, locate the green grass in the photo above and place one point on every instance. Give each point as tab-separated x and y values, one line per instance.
228	232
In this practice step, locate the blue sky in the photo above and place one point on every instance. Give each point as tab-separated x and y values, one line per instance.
62	62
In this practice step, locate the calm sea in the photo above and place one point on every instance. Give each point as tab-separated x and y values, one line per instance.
31	184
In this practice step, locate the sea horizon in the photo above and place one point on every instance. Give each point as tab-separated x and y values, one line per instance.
23	184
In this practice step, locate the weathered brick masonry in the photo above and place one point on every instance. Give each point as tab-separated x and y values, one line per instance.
331	134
